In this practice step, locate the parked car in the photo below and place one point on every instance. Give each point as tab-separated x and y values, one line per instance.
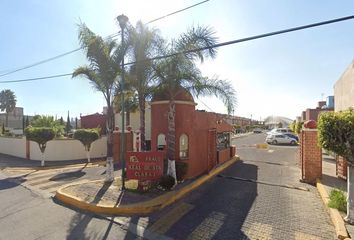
279	138
292	136
257	130
281	130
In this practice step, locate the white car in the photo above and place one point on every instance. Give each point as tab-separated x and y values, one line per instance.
281	130
278	138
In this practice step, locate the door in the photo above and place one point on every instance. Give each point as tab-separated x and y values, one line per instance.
212	154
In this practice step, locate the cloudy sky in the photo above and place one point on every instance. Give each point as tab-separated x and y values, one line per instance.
279	75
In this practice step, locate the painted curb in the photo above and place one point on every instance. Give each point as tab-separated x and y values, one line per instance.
77	165
142	208
336	218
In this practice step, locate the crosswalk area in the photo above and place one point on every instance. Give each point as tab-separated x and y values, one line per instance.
48	181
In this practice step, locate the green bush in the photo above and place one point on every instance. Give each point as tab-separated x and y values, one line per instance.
86	136
337	200
181	170
167	182
40	135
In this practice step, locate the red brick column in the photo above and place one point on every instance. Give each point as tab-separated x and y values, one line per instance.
341	167
311	156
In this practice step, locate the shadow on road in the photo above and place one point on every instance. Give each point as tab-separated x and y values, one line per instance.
220	207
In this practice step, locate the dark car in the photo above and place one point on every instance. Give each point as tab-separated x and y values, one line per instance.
292	136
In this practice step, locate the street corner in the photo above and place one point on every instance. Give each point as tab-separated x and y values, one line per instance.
101	197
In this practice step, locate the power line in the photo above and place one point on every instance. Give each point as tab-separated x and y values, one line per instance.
170	14
215	45
251	38
77	49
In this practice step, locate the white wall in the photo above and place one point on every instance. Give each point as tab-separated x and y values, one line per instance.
344	90
68	149
13	146
135	121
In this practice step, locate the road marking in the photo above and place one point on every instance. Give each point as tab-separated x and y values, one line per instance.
270	150
259	231
209	227
305	236
162	225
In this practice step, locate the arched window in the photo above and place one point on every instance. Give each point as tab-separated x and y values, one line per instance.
183	146
161	141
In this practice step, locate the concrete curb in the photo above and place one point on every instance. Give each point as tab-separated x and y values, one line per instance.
77	165
142	208
336	218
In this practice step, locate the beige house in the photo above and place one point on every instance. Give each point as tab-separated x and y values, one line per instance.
135	121
344	90
15	118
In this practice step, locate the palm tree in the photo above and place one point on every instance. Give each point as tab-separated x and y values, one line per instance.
179	73
102	72
144	44
7	102
130	103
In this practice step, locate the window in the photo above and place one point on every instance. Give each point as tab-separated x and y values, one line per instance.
223	140
183	146
161	141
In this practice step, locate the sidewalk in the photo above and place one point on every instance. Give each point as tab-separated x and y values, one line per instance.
328	182
101	198
7	161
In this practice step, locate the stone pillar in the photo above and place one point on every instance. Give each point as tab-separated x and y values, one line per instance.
310	156
341	167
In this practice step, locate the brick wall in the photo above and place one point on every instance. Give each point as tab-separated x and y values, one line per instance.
310	156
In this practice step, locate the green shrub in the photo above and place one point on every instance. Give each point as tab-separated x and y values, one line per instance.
167	182
337	200
181	170
86	136
40	135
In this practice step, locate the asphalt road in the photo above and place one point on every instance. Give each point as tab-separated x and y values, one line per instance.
259	197
27	210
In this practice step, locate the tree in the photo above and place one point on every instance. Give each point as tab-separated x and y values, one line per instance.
27	121
7	103
336	134
87	137
49	122
40	135
179	73
144	44
130	103
102	72
61	121
68	126
76	125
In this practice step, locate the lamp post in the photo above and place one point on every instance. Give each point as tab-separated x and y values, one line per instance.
122	20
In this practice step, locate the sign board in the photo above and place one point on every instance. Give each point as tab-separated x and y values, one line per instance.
145	165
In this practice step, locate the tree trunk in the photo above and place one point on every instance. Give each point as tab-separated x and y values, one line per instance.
171	139
128	117
88	156
350	194
109	164
43	158
142	123
6	119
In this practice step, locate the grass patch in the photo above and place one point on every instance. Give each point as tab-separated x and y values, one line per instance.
337	200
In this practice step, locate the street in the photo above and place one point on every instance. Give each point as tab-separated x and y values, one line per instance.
259	197
232	207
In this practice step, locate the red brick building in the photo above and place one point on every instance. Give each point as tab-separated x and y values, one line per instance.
202	138
94	121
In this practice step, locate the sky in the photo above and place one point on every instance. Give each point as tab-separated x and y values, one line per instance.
279	75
